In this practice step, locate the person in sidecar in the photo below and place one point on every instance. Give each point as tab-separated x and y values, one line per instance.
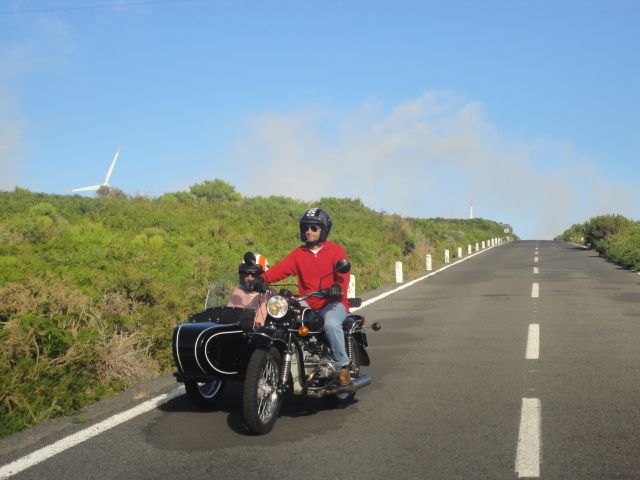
249	293
313	263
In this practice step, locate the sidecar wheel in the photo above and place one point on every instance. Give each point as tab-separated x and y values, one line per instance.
204	394
260	398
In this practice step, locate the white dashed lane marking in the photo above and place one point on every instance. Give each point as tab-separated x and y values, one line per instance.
535	290
533	342
528	453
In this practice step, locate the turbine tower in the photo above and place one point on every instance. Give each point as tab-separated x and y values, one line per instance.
471	211
106	180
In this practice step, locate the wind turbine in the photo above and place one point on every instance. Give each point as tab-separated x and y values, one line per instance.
106	180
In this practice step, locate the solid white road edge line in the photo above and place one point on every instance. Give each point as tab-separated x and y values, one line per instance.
535	290
528	453
533	342
49	451
412	282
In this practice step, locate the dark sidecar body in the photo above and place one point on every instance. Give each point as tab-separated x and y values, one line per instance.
213	344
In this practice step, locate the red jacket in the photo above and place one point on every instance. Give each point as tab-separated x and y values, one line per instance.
313	271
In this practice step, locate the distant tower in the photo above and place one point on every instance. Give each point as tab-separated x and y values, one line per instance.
471	211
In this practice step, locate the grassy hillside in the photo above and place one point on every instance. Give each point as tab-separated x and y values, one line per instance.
91	288
612	236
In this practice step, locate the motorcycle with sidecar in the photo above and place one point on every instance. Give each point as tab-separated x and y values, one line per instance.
288	355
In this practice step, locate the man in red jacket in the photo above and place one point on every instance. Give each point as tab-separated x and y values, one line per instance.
312	263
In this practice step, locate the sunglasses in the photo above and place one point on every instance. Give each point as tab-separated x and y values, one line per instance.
314	228
247	274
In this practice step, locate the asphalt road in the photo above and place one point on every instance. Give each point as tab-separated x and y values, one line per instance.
451	395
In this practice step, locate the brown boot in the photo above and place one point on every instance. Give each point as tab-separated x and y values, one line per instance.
344	376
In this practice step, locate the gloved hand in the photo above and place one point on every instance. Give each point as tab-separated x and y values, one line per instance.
334	291
259	284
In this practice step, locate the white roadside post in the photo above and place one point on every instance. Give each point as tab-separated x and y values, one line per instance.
477	247
446	256
429	263
351	291
483	244
399	272
459	252
469	249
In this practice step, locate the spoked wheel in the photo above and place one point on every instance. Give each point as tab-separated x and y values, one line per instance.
341	399
260	398
204	394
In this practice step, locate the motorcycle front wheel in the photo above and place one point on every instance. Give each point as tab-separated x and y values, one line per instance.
204	394
260	398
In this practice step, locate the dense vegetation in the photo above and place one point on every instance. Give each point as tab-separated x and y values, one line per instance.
91	288
612	236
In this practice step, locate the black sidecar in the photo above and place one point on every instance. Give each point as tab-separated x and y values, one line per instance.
211	348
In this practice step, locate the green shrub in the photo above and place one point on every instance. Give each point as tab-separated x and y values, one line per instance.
574	234
624	247
598	229
613	236
215	190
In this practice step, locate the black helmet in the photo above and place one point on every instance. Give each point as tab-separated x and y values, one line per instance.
252	264
315	216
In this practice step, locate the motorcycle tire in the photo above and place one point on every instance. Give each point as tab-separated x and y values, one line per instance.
261	400
343	399
204	394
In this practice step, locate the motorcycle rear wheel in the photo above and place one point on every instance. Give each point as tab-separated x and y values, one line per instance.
260	398
204	394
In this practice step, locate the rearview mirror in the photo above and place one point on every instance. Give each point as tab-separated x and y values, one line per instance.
342	266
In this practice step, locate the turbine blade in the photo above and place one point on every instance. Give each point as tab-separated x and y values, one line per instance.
113	164
85	189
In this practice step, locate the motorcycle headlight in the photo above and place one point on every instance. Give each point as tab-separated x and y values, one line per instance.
277	306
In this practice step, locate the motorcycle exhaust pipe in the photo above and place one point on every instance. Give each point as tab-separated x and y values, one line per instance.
356	384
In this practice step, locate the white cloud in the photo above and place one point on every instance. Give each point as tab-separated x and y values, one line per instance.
426	157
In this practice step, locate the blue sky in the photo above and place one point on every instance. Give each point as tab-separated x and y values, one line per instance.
530	110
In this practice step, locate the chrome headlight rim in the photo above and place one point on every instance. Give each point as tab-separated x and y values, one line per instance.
277	306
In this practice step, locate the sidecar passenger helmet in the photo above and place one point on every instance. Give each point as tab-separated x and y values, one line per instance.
315	216
253	264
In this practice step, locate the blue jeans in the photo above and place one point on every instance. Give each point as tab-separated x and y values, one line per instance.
334	315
